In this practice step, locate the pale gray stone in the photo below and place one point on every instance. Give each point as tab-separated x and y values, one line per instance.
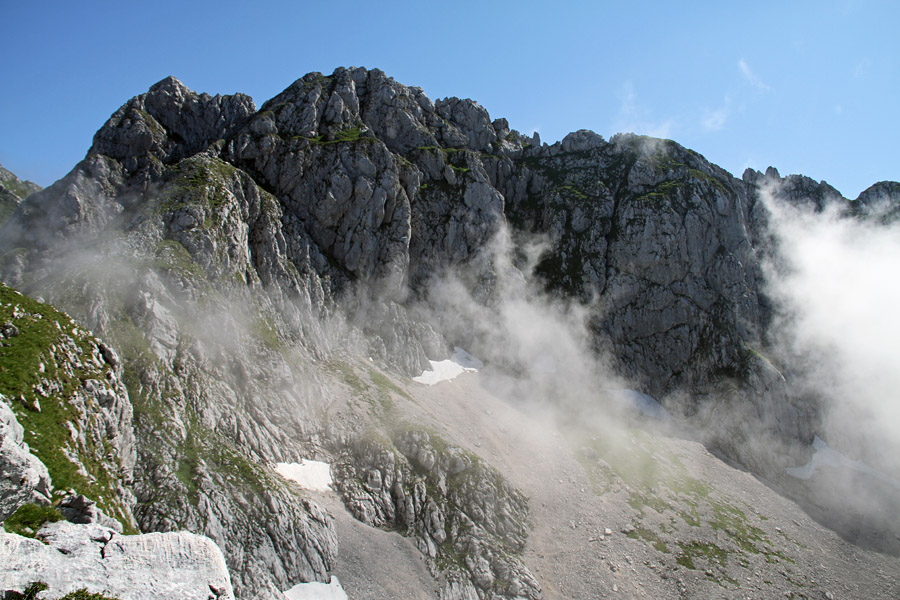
68	557
23	477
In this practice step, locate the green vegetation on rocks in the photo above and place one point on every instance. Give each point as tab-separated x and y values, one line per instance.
35	588
44	372
28	518
644	466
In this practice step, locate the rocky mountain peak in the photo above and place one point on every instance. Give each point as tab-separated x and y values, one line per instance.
168	123
170	86
881	200
269	277
583	139
12	191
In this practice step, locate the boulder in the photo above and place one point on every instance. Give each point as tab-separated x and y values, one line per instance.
68	557
23	477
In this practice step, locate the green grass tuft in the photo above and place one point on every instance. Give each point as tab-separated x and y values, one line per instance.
28	518
38	354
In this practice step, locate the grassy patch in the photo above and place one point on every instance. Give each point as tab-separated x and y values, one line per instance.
45	367
348	135
448	558
7	208
342	136
198	181
264	330
715	557
28	518
31	593
630	455
648	535
347	374
697	550
662	192
386	387
571	190
83	594
657	479
171	255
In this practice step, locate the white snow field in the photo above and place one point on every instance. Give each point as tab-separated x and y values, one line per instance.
317	591
310	474
446	370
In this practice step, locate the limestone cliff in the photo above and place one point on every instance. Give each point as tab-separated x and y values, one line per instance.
253	267
12	191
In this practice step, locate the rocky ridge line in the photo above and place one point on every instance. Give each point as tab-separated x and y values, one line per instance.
355	184
12	191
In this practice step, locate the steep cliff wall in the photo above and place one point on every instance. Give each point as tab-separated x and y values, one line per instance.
248	265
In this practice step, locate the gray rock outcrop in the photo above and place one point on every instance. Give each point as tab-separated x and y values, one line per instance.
68	557
463	514
12	191
79	509
23	477
70	401
168	123
240	261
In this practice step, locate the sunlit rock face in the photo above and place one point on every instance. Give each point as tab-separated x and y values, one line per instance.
66	557
242	261
25	478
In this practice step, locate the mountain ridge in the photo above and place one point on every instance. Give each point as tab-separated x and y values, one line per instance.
247	262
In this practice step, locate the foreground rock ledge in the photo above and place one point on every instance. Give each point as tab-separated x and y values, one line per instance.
68	557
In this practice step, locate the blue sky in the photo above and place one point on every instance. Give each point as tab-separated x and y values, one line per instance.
808	87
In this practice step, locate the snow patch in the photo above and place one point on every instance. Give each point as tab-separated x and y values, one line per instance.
445	370
825	456
317	591
310	474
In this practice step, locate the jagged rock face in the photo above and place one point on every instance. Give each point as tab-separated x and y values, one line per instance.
192	365
82	202
881	200
397	189
797	190
12	185
12	191
23	478
68	557
362	165
464	515
228	238
78	508
194	473
659	236
65	388
158	128
168	123
65	385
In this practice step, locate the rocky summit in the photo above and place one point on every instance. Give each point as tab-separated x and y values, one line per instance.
12	191
219	290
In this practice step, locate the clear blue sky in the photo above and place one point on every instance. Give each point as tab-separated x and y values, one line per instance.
808	87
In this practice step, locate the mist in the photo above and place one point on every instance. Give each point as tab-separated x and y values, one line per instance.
538	349
836	290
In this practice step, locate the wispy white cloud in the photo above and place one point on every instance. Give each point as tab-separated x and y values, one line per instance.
659	130
635	118
714	120
838	302
751	77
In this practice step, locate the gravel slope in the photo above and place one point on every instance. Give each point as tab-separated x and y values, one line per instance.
619	512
